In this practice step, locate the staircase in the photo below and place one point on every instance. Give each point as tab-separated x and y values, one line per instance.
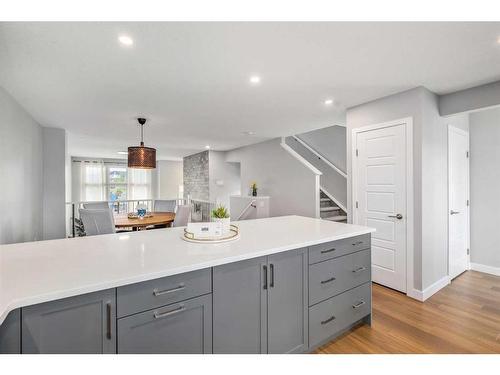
329	210
332	183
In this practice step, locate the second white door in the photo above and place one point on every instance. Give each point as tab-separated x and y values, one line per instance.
380	200
458	195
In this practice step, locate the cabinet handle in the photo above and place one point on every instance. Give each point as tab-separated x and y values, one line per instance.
271	270
328	280
265	276
358	305
169	313
328	320
158	293
108	321
357	243
327	251
360	269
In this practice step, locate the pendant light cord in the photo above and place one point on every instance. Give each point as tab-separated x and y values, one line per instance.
142	134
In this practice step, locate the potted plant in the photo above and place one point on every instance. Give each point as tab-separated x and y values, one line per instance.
220	214
254	189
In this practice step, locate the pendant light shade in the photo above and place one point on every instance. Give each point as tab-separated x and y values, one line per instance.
141	156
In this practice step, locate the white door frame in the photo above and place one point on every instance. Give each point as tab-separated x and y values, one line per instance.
452	128
408	123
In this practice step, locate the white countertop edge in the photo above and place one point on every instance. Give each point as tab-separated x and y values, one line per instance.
56	295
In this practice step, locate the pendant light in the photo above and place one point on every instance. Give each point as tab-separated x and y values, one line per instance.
140	156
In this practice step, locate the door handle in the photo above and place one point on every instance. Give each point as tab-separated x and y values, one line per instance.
158	315
358	305
271	271
265	276
108	321
397	216
158	293
328	280
330	319
454	212
359	269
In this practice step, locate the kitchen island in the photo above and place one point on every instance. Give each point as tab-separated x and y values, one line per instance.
288	285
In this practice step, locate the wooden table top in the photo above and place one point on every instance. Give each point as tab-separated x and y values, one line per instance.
157	218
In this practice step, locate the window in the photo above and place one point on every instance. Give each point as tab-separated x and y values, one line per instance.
113	182
117	183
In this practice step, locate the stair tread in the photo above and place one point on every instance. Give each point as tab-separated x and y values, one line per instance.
330	208
335	218
325	199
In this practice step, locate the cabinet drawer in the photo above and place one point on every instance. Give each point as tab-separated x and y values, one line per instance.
184	327
160	292
335	276
334	249
335	314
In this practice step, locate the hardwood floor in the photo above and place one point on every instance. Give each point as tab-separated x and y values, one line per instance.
464	317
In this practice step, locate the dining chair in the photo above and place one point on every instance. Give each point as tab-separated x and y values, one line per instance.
182	216
96	205
165	205
97	221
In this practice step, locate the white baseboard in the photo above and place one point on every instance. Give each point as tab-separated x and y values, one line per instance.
422	295
486	269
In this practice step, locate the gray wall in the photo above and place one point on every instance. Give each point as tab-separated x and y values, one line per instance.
292	187
21	187
54	183
225	173
485	186
330	142
169	176
195	176
430	173
471	99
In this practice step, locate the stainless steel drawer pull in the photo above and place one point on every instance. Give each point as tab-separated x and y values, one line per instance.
169	313
158	293
328	280
328	320
360	269
357	243
327	251
358	305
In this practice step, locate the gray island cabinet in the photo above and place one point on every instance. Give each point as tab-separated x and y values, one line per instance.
286	302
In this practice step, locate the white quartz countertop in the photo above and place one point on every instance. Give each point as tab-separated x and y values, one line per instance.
36	272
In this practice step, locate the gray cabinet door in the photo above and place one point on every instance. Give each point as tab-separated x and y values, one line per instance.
240	307
184	327
287	302
10	333
81	324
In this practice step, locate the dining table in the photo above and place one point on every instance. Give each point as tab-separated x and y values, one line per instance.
151	219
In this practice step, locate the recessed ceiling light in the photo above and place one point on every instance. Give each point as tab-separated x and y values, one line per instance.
126	40
249	133
254	80
207	147
123	152
498	40
328	101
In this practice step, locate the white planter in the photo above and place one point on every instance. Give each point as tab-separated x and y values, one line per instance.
226	224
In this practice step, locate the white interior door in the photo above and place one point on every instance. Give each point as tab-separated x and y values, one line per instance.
380	194
458	195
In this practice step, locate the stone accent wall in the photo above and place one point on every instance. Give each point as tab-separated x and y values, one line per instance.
196	180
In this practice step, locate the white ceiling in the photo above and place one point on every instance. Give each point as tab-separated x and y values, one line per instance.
191	79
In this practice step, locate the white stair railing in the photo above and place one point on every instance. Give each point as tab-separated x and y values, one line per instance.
311	167
328	162
247	207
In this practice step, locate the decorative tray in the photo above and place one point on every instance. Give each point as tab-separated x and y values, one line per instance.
133	215
233	234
